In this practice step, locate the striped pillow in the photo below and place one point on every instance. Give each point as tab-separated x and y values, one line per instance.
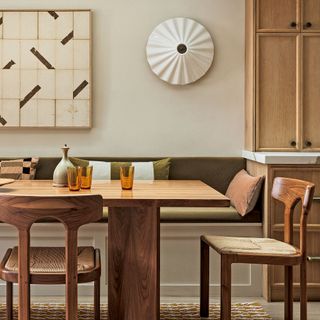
152	170
19	169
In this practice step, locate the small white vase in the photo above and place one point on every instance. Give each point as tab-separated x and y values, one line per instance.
60	176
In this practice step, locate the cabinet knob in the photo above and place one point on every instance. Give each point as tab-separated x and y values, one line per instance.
293	143
308	143
308	25
293	24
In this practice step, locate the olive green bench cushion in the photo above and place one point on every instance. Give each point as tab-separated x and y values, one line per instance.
197	215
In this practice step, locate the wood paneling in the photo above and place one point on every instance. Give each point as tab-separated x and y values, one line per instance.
311	15
278	15
277	75
313	270
310	91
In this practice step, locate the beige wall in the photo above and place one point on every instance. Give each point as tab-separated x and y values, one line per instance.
135	113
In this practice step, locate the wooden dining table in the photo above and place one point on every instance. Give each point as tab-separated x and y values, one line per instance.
133	234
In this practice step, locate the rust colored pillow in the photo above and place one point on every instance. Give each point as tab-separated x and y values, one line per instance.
244	191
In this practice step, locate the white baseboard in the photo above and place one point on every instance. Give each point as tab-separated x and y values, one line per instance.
180	257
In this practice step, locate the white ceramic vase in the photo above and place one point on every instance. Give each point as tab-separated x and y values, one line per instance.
60	176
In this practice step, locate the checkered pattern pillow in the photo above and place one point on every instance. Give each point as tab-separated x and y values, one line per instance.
20	169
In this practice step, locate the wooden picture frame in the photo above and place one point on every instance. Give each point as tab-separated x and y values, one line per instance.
46	68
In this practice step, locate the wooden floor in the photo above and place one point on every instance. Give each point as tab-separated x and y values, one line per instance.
275	309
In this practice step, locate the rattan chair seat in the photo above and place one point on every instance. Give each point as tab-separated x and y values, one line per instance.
51	260
254	246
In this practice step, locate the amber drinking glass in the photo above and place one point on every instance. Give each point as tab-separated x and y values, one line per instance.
86	177
126	177
74	178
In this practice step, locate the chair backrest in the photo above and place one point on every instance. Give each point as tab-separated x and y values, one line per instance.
73	212
290	192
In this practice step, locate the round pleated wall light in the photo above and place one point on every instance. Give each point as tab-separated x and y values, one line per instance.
180	51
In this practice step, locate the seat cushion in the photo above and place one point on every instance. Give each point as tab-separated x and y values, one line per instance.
199	214
196	214
253	246
51	260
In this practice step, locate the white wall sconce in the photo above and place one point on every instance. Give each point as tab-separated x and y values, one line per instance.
180	51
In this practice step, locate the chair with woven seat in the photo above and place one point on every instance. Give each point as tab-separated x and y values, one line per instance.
71	265
263	251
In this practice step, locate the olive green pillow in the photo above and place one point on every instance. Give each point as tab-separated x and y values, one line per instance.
111	170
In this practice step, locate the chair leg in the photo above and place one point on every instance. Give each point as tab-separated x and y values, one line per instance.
97	299
225	300
9	296
303	291
204	280
288	296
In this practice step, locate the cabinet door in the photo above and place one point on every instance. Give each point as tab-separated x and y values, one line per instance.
278	15
277	95
311	91
311	15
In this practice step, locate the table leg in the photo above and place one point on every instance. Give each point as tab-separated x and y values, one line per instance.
133	263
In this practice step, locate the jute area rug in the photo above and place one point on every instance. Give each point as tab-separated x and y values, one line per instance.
45	311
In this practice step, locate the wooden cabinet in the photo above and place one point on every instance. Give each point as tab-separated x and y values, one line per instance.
278	15
282	78
273	227
310	15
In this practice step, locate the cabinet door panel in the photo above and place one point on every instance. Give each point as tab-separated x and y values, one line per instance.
313	218
278	15
277	92
311	15
313	268
311	91
311	174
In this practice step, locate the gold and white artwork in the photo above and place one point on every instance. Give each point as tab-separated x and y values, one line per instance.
45	69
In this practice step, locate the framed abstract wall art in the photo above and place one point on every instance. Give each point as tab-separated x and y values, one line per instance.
45	69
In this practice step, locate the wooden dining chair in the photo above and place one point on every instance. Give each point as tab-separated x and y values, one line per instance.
71	265
263	251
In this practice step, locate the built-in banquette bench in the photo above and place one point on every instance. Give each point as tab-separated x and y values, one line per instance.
215	171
